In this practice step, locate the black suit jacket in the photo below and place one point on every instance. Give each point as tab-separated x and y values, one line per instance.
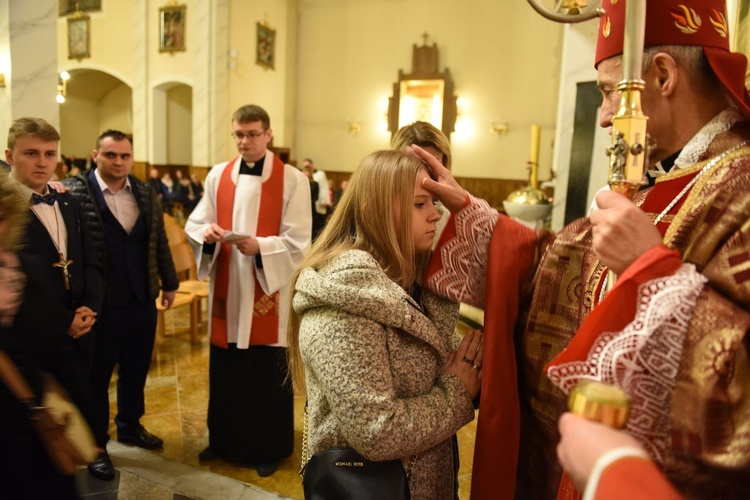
85	271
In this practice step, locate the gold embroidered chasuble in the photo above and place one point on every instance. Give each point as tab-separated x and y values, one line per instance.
708	446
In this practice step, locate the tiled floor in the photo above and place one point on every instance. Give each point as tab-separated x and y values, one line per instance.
176	405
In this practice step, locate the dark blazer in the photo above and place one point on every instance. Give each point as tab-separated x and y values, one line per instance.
161	272
85	271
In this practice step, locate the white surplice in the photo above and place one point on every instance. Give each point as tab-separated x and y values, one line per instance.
280	254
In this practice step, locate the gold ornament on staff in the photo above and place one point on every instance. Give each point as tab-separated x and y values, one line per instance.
628	152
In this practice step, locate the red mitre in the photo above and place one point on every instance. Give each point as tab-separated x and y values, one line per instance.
682	22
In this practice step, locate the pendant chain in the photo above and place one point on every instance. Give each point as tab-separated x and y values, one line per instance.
680	195
692	182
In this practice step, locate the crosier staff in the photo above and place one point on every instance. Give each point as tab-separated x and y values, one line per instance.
627	153
627	163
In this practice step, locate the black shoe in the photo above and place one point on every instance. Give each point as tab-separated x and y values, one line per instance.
207	455
140	437
267	468
102	468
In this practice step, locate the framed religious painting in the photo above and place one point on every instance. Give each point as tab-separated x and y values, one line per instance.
266	46
79	36
172	28
66	7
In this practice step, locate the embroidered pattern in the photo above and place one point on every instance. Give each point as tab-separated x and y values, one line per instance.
686	20
267	305
719	22
607	26
474	226
741	261
643	358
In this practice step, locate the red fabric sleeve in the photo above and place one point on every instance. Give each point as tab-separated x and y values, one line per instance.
510	263
634	479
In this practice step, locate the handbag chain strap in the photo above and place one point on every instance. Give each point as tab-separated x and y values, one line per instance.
305	450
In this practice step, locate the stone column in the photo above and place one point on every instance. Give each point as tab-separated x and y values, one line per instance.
28	58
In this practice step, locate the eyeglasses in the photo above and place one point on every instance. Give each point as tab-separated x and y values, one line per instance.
238	136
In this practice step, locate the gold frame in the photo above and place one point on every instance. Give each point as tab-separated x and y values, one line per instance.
79	36
265	47
172	28
66	7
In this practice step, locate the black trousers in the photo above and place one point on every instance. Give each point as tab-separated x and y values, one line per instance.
124	336
70	362
250	406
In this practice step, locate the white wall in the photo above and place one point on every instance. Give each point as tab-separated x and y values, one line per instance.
179	119
504	59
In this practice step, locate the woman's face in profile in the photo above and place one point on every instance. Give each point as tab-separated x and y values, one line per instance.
424	215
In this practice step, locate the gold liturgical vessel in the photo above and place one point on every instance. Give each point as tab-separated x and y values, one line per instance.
600	402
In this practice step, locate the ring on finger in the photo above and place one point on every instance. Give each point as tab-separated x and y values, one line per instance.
477	368
468	361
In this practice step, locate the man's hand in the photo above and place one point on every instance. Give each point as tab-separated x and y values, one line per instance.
247	246
58	187
167	299
441	182
82	322
622	232
583	441
213	234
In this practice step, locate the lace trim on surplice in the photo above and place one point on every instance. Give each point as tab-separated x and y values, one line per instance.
643	359
463	274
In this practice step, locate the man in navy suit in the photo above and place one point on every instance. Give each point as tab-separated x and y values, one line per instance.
57	237
127	227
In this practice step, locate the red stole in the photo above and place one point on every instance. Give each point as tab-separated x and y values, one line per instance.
265	324
510	262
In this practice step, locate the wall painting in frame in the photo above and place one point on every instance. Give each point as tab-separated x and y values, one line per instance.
266	46
172	28
79	36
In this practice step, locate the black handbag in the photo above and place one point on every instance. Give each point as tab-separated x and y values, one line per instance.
344	474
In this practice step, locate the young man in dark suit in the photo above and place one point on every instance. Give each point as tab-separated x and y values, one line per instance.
127	227
57	238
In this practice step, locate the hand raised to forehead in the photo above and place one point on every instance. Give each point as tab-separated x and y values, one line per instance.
441	181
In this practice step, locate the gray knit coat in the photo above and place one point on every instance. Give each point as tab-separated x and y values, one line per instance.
374	363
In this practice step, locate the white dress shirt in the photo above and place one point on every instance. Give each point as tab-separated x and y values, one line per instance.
121	203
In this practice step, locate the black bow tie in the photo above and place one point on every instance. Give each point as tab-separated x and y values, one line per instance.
49	199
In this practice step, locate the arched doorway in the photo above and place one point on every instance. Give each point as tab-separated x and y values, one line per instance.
95	101
172	141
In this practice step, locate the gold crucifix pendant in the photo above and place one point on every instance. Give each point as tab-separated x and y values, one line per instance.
63	265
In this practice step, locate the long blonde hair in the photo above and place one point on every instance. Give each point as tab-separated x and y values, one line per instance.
380	193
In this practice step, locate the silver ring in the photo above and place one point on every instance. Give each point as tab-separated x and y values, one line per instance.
477	368
468	361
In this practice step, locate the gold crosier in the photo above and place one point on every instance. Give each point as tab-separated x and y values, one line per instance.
628	151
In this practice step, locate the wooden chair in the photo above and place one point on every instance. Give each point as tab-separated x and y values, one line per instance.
184	262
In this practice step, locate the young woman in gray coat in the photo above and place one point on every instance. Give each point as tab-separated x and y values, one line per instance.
383	369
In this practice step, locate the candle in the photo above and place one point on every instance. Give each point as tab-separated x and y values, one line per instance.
535	131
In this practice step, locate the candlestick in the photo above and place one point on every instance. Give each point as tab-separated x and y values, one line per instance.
534	156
